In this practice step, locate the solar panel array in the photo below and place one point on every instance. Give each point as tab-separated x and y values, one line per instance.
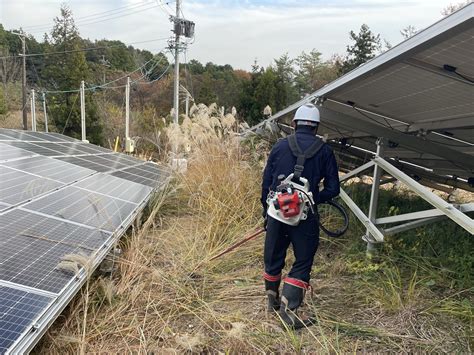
420	90
58	197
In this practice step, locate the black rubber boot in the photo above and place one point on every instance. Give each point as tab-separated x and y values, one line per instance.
271	288
291	298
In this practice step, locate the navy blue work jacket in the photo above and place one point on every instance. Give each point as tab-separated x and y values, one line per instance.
322	166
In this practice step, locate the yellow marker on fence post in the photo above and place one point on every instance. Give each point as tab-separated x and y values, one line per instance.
116	144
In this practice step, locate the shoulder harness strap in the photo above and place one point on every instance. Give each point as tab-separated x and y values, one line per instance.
302	156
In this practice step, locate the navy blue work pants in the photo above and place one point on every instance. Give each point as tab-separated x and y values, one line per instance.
305	240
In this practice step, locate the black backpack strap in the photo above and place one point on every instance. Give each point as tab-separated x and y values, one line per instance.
299	154
302	156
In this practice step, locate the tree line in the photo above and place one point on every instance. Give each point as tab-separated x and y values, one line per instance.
63	58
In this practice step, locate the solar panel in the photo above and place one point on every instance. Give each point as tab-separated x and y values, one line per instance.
97	148
419	88
50	168
41	136
32	247
18	311
83	148
104	160
19	135
33	148
87	208
146	174
4	206
148	171
59	148
121	159
56	202
134	178
115	187
8	152
63	137
17	187
85	163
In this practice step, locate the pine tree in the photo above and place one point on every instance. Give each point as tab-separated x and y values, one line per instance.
365	47
408	31
448	10
285	89
65	73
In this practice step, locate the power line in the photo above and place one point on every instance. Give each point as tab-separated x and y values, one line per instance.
161	4
70	112
101	17
80	23
82	49
188	73
99	14
155	80
137	81
105	86
140	68
92	88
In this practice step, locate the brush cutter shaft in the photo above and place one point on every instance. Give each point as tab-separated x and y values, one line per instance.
238	244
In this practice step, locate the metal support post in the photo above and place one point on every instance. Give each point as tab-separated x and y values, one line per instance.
127	109
33	110
187	104
449	210
176	64
83	113
45	113
374	196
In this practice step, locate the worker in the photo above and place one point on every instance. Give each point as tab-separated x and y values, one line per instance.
304	237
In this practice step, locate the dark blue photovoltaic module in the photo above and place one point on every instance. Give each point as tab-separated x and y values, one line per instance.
61	210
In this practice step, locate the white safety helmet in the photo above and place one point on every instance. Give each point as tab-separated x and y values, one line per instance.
307	114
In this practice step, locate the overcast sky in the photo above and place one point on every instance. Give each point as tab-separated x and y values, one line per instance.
230	31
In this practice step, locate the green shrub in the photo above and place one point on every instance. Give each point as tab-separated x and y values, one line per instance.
3	103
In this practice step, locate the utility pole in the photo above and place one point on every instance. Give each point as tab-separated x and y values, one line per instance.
177	30
33	110
187	104
129	143
127	109
83	113
45	113
23	79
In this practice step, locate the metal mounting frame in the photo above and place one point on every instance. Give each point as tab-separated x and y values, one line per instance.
375	234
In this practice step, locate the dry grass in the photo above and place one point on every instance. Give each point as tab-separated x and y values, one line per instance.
14	120
167	297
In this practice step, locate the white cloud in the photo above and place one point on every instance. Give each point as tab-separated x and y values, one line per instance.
237	32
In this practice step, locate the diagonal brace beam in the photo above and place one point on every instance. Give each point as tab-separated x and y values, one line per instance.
457	216
357	171
412	225
467	207
374	231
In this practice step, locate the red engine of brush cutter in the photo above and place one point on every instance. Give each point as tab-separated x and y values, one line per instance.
288	204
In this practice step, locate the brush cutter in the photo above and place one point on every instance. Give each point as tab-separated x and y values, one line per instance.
335	224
